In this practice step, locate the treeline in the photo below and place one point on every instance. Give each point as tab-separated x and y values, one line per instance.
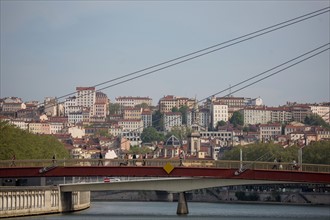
24	145
315	153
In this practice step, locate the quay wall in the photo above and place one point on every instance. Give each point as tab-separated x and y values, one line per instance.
38	200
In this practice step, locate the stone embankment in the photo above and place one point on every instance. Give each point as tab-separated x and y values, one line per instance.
38	200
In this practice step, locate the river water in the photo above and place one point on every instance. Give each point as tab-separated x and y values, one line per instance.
197	210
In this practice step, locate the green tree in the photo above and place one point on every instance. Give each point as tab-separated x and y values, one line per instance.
317	153
25	145
114	108
237	119
175	109
317	120
179	132
220	124
157	120
143	105
184	111
150	134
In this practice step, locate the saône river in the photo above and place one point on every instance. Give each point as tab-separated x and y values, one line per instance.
197	210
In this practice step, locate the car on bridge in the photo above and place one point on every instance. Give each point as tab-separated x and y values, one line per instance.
110	180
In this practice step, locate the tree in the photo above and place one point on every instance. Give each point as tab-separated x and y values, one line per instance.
220	124
175	109
157	120
317	120
150	134
237	119
143	105
184	111
114	108
25	145
179	132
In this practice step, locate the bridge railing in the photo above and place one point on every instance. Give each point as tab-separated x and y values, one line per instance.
162	162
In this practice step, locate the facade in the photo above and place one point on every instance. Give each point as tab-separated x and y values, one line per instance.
132	113
55	127
280	115
167	103
131	125
203	118
270	131
70	104
129	101
219	112
20	124
101	106
256	115
86	97
146	117
225	136
12	104
172	119
300	112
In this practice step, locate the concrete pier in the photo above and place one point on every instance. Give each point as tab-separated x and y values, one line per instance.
182	204
24	201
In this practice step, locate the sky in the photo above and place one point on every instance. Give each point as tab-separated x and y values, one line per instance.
48	48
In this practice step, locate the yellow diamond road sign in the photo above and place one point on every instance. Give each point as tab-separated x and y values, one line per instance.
168	168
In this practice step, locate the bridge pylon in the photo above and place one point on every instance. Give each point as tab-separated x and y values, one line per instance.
182	204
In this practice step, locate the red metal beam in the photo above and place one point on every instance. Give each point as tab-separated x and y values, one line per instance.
273	175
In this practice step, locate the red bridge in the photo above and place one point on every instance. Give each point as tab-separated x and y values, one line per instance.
309	173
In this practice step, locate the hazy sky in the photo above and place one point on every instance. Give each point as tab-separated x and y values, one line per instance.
50	47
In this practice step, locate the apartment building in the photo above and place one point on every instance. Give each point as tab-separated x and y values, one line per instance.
12	104
270	131
219	112
167	103
101	105
131	125
280	114
256	115
132	113
129	101
86	97
146	117
172	119
300	112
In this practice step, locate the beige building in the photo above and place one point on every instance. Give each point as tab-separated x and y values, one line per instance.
132	113
167	103
129	101
270	131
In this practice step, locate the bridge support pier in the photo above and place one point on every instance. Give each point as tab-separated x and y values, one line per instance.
66	204
182	204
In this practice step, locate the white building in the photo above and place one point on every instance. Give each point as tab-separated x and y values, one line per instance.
146	116
86	97
20	124
172	119
219	112
69	105
256	115
55	127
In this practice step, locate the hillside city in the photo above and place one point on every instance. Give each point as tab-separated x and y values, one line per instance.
89	124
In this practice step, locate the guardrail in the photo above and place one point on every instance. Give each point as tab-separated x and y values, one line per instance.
226	164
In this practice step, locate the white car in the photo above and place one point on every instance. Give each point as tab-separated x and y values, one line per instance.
110	180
